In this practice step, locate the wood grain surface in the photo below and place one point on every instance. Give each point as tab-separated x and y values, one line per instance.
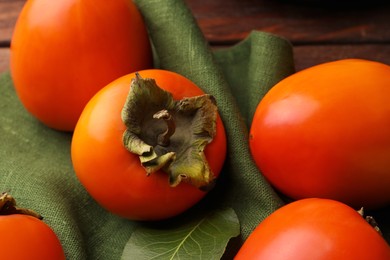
318	32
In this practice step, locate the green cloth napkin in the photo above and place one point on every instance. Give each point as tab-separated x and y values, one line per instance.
35	164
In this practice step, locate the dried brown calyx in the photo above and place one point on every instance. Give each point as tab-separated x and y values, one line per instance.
8	207
168	134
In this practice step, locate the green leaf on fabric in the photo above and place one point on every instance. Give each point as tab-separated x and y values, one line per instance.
202	237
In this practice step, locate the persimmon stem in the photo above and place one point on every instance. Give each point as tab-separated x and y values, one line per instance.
370	220
8	207
138	76
164	138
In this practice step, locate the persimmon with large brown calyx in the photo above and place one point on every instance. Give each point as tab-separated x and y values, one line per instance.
149	145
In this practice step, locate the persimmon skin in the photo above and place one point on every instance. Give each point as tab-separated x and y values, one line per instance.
314	228
324	132
64	51
113	176
26	237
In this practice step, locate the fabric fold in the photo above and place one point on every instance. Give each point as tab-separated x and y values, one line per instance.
253	66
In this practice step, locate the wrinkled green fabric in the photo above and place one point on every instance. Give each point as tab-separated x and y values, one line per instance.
35	164
35	168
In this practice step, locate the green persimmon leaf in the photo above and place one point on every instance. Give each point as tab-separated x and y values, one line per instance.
201	237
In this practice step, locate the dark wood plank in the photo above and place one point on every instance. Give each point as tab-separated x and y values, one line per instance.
306	56
318	34
228	21
9	11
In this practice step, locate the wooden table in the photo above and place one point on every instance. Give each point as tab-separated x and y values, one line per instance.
318	32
